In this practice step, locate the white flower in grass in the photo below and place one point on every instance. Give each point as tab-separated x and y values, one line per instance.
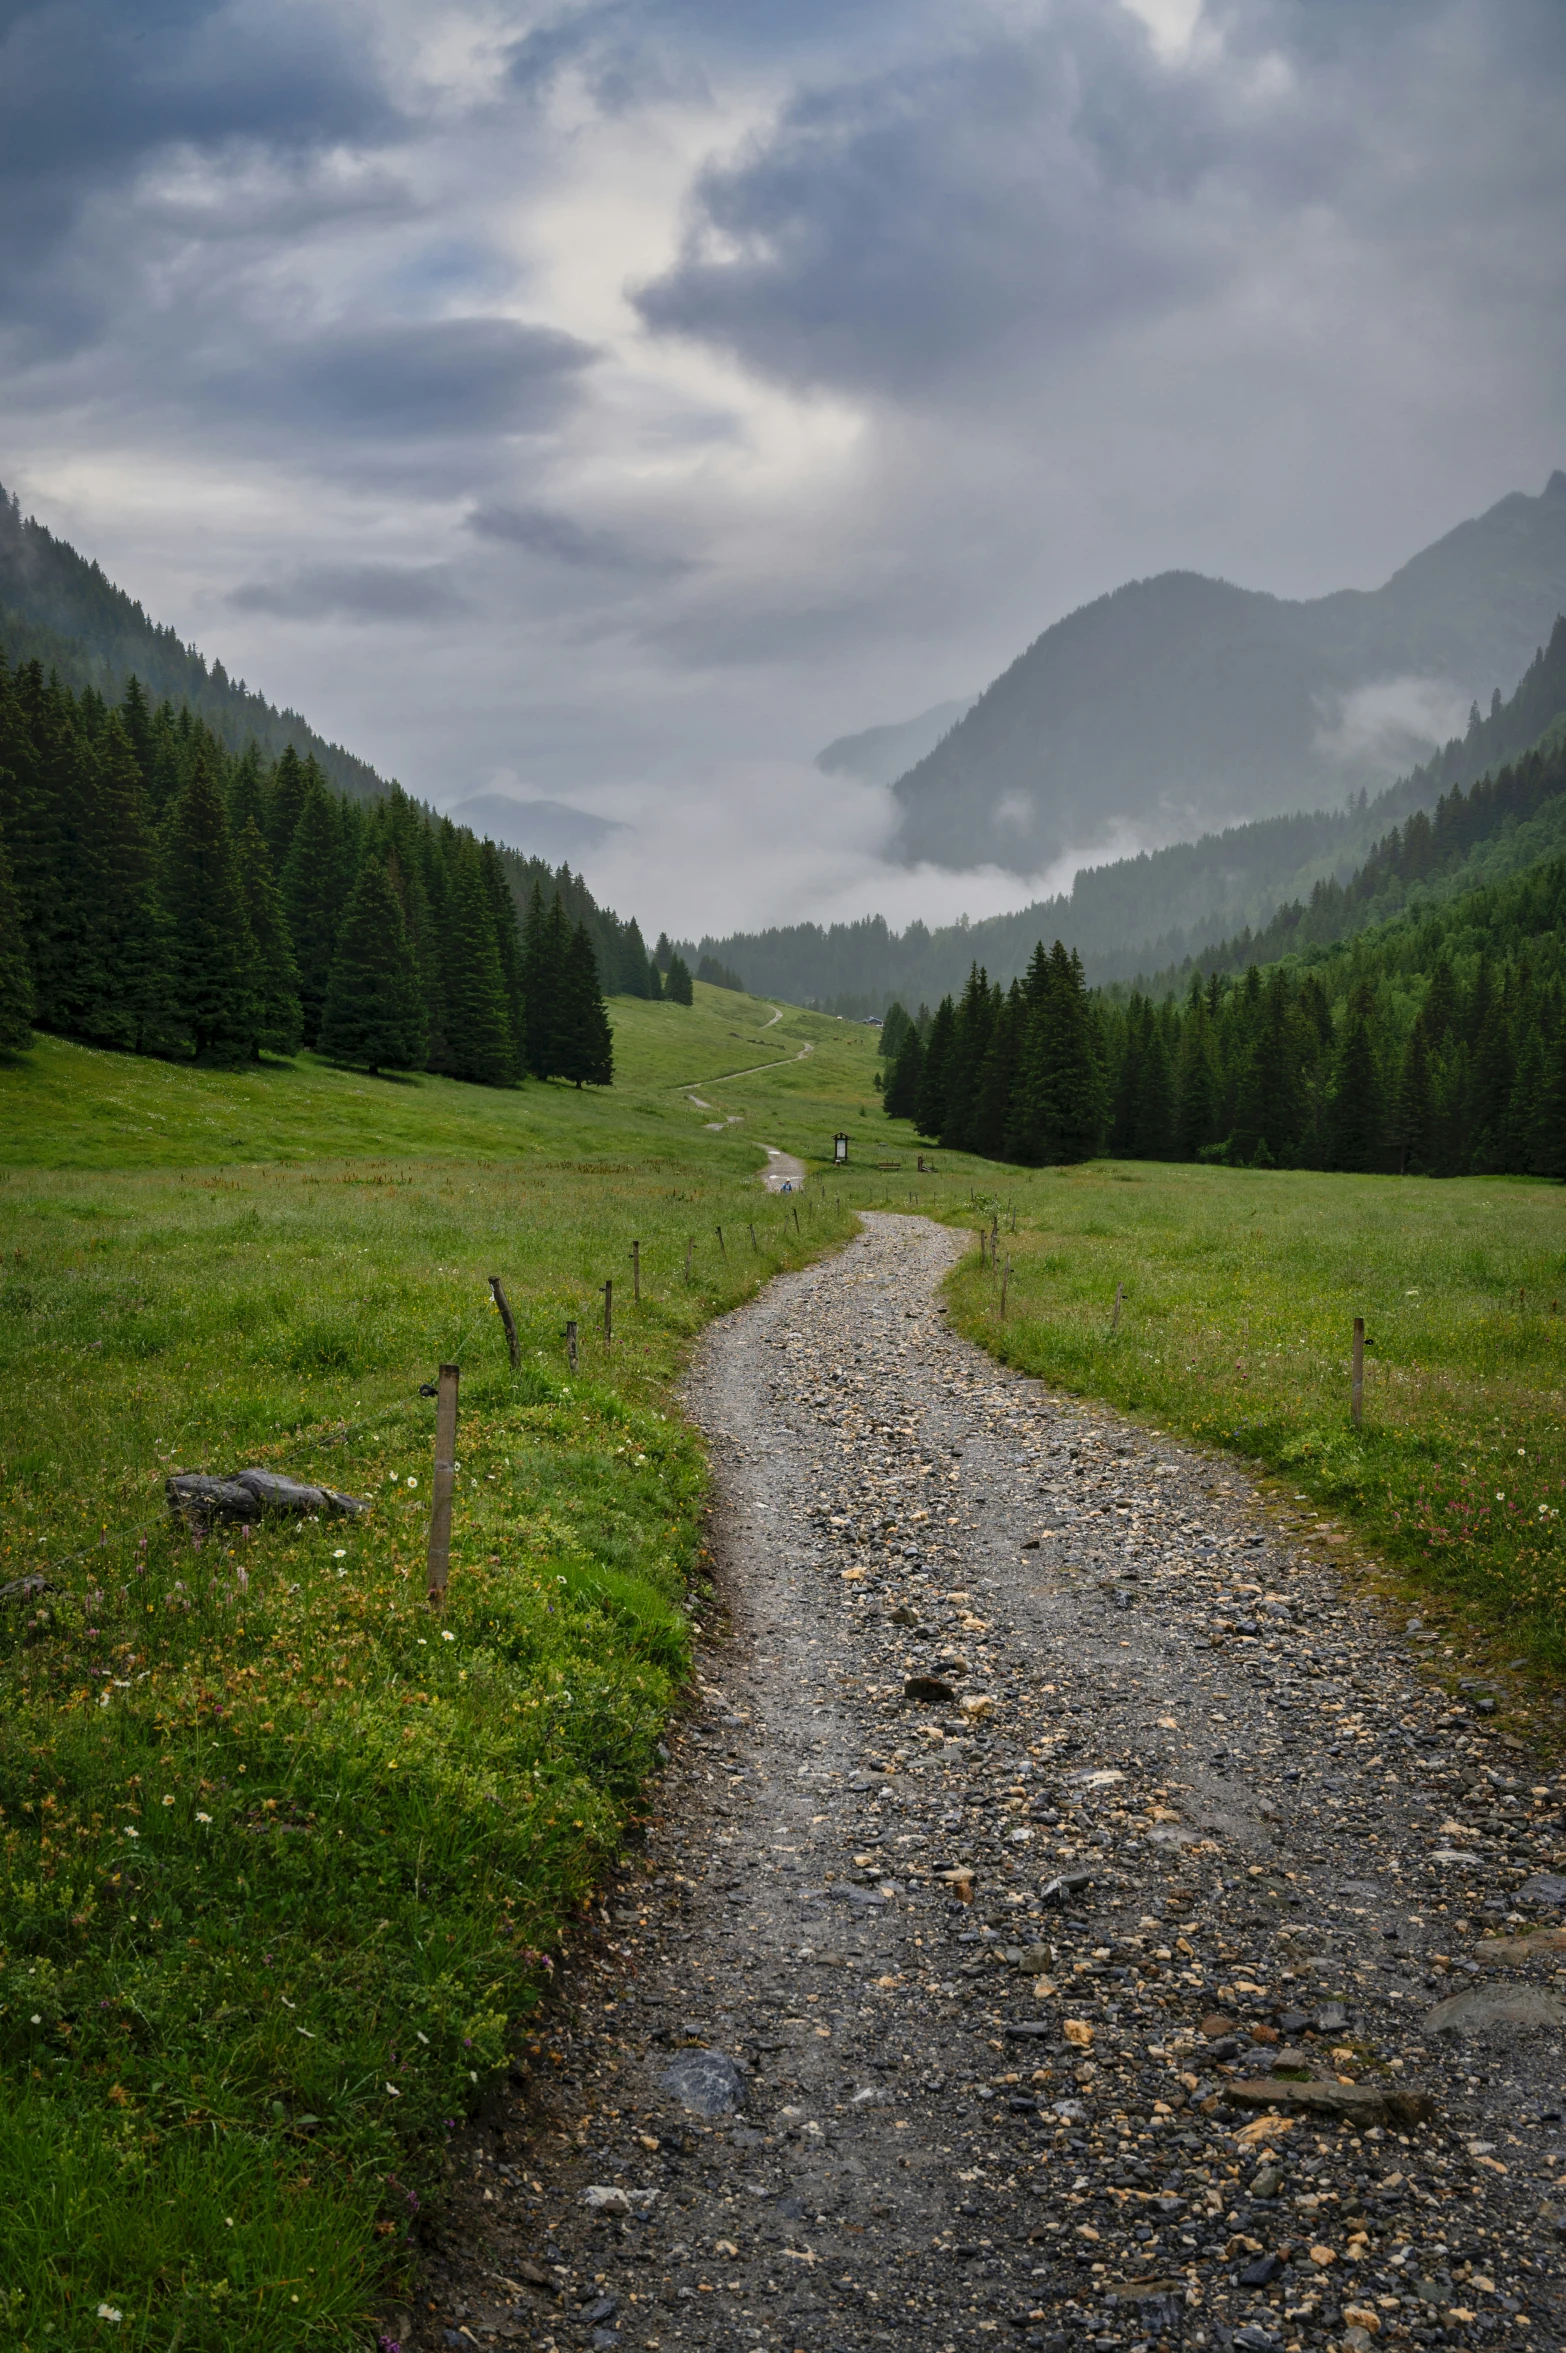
445	1637
130	1833
110	2312
341	1553
203	1817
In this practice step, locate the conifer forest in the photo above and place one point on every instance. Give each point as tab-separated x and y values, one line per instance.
166	896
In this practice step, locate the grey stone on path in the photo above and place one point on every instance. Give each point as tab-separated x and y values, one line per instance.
1218	1808
1490	2009
706	2082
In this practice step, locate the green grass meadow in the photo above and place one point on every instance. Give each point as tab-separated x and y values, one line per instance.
1236	1329
284	1860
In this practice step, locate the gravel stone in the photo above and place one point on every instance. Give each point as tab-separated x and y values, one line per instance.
889	1910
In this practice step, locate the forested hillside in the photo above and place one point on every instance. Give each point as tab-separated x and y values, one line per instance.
1185	702
162	894
1154	911
1436	1043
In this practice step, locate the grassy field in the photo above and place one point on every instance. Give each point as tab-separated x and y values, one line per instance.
1240	1291
283	1859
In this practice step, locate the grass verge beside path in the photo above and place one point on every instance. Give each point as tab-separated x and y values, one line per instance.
1236	1330
282	1858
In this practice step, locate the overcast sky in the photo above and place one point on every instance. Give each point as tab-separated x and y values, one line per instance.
616	401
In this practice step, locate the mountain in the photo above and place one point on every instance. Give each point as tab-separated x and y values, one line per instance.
58	609
1163	907
539	829
1180	704
881	754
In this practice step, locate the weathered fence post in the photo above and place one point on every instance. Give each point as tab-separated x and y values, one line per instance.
608	1290
570	1338
721	1246
795	1207
1357	1390
1114	1321
445	1478
506	1317
755	1245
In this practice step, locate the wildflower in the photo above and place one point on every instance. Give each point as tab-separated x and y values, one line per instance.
168	1801
203	1817
110	2312
341	1553
130	1833
446	1637
413	1482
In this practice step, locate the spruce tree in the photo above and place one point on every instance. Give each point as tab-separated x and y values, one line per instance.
677	987
131	935
212	956
1356	1117
315	889
508	942
16	979
542	963
989	1117
902	1086
275	978
287	793
479	1044
373	1015
1411	1120
585	1041
930	1110
654	982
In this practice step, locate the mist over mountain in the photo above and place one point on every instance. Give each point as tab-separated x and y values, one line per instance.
1131	916
1180	704
538	828
879	755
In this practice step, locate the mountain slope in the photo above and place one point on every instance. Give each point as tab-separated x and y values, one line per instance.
1184	703
1141	914
879	755
61	610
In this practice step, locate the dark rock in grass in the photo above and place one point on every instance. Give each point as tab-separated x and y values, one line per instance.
25	1589
707	2082
249	1495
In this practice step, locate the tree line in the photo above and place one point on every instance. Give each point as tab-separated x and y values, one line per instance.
1435	1045
165	896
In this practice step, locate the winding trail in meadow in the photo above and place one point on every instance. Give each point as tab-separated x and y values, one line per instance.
968	2015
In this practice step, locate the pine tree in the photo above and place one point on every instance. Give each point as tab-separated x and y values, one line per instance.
1196	1078
677	986
654	982
1412	1114
374	1011
479	1042
16	979
275	978
1153	1137
930	1110
212	955
663	954
989	1116
315	889
586	1043
902	1086
1356	1118
287	793
543	960
131	1006
508	942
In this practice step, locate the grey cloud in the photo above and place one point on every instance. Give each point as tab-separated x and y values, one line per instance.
353	592
419	379
1043	181
561	539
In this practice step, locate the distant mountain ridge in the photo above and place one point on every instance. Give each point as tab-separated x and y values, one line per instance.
1186	704
879	755
1152	912
58	608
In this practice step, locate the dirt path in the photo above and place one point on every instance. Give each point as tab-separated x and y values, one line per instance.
1212	1823
782	1169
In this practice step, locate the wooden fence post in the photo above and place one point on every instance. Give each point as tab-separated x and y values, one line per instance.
722	1247
755	1245
571	1342
507	1319
796	1218
445	1477
1357	1391
636	1272
1114	1321
608	1290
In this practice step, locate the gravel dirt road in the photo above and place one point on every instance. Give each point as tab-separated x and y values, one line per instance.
1070	1919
